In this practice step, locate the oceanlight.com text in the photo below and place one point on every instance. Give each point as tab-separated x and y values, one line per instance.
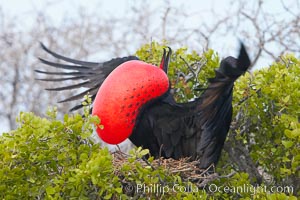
247	188
161	189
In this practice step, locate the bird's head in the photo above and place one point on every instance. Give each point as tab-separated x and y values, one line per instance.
125	93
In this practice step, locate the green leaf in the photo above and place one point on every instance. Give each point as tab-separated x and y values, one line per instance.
287	144
286	99
108	196
119	190
144	152
50	190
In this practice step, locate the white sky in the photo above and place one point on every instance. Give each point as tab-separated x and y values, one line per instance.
57	10
60	8
25	12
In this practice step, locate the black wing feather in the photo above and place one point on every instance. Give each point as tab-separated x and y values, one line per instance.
64	66
79	95
61	79
91	74
78	62
196	129
58	73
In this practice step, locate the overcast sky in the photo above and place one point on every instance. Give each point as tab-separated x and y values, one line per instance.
25	11
59	9
56	11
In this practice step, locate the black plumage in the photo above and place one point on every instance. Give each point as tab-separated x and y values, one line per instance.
195	129
91	74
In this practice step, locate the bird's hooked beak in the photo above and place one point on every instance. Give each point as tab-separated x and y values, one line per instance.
164	64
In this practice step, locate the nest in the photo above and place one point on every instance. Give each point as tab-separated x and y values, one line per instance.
188	170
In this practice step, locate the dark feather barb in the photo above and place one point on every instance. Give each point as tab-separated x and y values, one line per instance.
61	79
63	66
69	87
58	73
78	96
80	106
78	62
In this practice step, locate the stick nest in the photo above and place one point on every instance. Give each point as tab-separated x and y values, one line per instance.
186	169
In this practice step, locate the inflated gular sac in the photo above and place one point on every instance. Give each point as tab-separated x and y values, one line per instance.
122	96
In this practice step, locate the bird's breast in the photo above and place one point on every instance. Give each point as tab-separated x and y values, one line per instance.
122	96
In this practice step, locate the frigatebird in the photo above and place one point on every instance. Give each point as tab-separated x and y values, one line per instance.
133	100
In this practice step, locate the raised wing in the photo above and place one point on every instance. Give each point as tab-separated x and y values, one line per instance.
196	129
91	74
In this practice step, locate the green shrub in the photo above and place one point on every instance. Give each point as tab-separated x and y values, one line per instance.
47	158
